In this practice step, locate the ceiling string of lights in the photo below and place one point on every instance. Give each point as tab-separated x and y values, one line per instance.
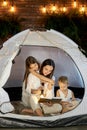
55	7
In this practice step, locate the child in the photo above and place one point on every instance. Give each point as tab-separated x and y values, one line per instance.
32	86
65	93
67	96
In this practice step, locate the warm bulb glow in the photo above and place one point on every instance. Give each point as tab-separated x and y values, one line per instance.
54	8
4	3
44	9
75	4
12	9
64	9
82	9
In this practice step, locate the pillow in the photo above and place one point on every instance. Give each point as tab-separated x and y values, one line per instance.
6	107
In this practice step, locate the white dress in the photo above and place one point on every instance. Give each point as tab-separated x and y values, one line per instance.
33	82
5	105
25	96
29	99
63	97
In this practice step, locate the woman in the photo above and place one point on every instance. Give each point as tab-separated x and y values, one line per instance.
47	70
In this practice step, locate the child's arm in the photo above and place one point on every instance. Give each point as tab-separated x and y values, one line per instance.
36	91
73	97
33	91
57	94
41	77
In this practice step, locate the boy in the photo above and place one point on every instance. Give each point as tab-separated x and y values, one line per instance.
65	93
68	99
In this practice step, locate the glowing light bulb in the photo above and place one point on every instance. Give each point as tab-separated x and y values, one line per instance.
44	9
75	3
54	8
83	9
12	9
4	3
64	9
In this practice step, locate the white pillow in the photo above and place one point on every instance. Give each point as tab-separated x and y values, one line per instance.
6	107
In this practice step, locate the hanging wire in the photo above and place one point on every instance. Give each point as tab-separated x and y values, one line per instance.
12	2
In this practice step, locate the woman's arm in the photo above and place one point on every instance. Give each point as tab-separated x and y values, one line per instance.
41	77
50	86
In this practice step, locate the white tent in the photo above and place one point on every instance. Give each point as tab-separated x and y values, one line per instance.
53	39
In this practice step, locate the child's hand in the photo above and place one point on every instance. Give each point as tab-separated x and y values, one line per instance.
67	104
70	105
64	102
40	88
52	82
39	92
49	104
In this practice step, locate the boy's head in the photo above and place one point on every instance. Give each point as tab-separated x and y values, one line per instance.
63	82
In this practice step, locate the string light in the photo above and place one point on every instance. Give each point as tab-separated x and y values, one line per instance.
53	8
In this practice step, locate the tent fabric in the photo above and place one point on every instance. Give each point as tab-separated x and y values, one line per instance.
48	38
45	38
66	66
24	123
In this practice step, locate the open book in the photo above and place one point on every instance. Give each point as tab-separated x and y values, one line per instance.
53	100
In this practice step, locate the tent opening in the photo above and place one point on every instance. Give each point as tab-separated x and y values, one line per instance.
64	66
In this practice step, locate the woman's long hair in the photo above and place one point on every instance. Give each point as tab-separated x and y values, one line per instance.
30	60
48	62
